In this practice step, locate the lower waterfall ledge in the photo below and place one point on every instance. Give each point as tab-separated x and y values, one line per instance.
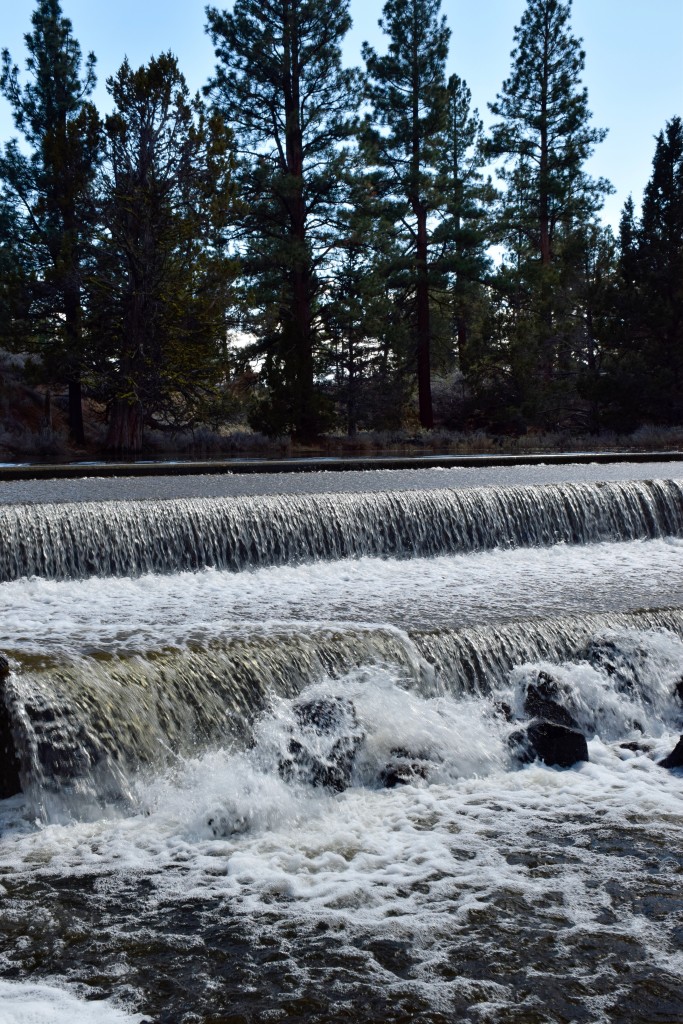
10	783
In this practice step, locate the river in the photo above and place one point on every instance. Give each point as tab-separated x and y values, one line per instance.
271	736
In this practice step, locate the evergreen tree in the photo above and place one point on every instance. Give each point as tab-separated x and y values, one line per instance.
280	82
364	328
648	305
14	269
52	186
160	286
544	136
403	138
619	389
465	226
660	269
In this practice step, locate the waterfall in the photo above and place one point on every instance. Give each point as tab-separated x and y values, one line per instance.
84	726
78	540
478	660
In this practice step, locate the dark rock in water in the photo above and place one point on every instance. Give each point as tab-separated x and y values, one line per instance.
678	690
637	746
543	700
402	773
412	755
325	714
675	758
406	767
554	745
10	783
223	825
65	749
501	707
326	748
518	743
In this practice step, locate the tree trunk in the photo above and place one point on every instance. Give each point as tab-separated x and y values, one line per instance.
462	332
125	433
76	431
304	413
300	354
424	376
352	391
72	325
547	343
47	410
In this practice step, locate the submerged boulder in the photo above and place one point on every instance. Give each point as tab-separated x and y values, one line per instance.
675	758
324	751
636	746
553	736
543	700
502	708
325	714
556	745
10	783
404	769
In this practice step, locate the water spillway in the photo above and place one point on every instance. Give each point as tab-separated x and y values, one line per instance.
78	540
390	754
83	726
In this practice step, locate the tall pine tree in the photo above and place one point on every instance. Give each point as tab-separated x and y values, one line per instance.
161	280
544	136
365	331
660	258
52	185
465	227
280	82
404	135
649	300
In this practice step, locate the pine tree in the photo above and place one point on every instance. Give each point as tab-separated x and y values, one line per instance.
53	185
280	83
626	377
544	136
660	259
649	304
14	268
161	278
465	226
403	138
364	329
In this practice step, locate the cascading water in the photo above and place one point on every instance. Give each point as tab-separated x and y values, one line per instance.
314	768
83	726
69	541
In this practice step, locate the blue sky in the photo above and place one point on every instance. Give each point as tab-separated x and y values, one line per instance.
634	59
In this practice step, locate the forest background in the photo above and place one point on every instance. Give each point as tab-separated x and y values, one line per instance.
307	250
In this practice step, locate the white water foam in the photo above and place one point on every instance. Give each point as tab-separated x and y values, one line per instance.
446	864
27	1003
636	697
112	614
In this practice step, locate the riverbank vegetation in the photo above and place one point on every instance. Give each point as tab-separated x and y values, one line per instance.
337	258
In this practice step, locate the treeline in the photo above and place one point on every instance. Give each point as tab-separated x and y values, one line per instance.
319	248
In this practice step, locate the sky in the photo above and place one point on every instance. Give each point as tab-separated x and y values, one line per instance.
634	60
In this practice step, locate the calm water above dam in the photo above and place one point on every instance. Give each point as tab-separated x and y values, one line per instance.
274	738
349	482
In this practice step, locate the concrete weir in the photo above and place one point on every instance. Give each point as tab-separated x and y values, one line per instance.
316	464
